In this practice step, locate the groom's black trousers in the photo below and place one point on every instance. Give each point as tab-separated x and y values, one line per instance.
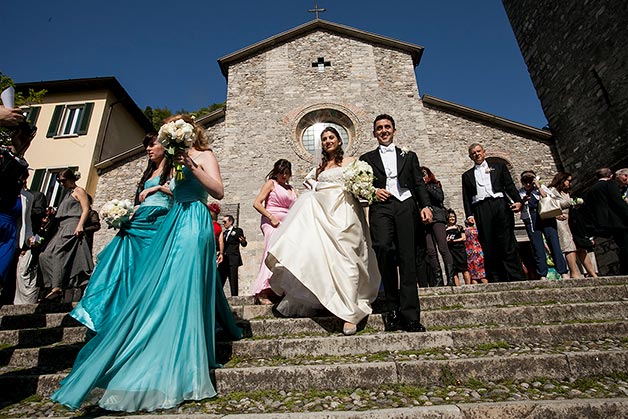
395	234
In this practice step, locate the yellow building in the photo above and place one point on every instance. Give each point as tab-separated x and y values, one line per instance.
82	124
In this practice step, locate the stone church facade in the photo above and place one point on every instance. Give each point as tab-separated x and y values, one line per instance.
280	89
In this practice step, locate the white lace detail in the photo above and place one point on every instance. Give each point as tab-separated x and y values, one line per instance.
333	175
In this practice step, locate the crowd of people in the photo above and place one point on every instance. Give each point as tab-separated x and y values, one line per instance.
157	287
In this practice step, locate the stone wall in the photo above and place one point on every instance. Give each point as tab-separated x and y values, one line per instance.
117	182
450	135
269	93
577	56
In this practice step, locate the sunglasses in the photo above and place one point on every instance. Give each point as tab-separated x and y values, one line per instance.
61	180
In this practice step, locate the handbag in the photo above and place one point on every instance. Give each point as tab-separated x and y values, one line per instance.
549	207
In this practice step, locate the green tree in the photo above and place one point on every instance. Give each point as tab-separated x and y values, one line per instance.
157	115
32	97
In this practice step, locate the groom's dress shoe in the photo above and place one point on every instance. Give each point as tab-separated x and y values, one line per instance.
413	326
392	321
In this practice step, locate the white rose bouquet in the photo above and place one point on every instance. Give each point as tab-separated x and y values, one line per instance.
358	179
176	136
117	212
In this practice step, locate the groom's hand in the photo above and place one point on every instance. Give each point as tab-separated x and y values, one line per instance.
382	195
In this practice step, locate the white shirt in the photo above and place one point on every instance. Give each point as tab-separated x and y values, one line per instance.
483	186
389	159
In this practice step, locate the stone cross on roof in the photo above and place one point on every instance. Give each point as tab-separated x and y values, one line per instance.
316	9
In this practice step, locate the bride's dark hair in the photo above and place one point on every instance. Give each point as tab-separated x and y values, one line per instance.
338	154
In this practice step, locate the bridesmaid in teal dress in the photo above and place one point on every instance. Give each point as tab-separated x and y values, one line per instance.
114	274
158	351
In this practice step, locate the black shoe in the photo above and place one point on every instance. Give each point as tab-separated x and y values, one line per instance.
392	321
413	326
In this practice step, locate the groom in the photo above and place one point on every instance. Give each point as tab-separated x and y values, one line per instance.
394	222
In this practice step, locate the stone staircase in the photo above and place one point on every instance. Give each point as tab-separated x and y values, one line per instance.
489	348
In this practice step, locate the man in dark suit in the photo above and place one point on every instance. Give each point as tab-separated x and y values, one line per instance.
394	222
490	198
232	260
609	213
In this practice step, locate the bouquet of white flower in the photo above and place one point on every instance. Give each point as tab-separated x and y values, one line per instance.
176	136
116	212
358	178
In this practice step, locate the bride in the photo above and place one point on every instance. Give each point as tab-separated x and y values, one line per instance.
333	266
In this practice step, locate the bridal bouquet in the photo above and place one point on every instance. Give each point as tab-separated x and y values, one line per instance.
176	136
358	179
116	212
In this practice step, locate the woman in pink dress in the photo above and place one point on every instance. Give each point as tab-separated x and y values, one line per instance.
273	202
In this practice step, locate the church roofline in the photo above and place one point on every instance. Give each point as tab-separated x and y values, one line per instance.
487	117
415	51
208	118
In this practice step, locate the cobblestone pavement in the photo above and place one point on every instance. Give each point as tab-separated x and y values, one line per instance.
615	386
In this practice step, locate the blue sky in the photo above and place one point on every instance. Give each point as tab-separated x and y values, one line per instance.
164	52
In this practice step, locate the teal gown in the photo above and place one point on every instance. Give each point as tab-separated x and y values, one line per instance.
114	275
158	351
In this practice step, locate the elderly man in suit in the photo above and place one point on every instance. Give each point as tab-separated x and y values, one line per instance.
490	198
394	223
609	213
233	238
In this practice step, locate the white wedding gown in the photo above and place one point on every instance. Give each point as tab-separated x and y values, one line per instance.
321	255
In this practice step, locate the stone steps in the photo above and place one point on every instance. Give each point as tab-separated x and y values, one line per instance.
560	330
438	319
372	375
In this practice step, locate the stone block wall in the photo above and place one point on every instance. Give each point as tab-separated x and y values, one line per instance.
117	182
577	56
449	136
269	93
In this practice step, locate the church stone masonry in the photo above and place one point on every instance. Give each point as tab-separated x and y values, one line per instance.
275	88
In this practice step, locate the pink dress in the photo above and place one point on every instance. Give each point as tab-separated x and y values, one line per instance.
278	203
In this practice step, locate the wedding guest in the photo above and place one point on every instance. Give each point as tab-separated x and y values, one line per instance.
539	228
10	117
26	289
435	236
396	225
455	240
67	261
475	256
28	277
332	268
114	279
560	187
609	213
13	170
490	198
622	177
231	259
92	224
214	210
581	232
273	202
159	350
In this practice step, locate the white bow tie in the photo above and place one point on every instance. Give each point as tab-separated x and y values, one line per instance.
387	148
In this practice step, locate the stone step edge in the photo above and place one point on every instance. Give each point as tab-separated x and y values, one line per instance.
374	374
449	290
606	408
267	328
256	310
376	342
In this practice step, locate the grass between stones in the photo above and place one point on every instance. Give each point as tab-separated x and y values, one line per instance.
358	399
501	348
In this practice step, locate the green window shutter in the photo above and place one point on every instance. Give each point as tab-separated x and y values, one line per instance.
54	123
85	117
33	114
38	176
